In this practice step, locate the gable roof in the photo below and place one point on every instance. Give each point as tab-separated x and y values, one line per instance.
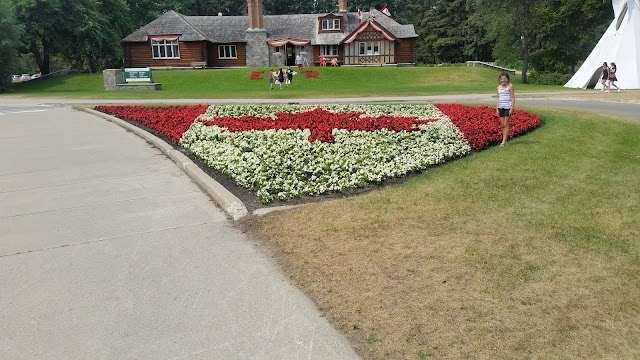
170	22
371	23
230	29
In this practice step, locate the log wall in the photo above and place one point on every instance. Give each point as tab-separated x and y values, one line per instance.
140	55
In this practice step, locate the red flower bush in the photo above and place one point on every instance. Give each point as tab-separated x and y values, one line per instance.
170	121
481	126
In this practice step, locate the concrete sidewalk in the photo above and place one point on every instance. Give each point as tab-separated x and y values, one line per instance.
108	250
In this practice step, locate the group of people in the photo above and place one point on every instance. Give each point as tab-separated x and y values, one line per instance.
323	61
281	77
609	77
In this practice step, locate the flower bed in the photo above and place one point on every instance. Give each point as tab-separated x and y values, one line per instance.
171	121
482	128
286	151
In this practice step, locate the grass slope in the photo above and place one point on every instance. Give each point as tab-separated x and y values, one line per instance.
528	251
330	83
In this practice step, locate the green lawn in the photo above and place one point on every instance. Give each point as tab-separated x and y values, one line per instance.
330	83
527	251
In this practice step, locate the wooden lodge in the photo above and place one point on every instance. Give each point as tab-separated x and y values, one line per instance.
257	40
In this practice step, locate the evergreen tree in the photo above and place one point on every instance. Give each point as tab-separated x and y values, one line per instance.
9	43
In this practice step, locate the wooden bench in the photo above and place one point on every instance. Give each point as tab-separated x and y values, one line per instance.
199	64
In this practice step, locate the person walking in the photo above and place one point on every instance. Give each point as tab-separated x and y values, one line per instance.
299	62
612	76
280	77
289	74
505	105
271	79
605	76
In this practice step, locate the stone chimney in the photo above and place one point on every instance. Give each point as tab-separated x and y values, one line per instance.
342	5
256	35
256	14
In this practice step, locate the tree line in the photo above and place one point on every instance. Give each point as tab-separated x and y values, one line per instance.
548	36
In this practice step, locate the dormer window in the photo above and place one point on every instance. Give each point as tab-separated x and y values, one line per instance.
331	24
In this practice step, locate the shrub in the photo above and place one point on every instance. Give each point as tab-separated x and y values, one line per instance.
548	78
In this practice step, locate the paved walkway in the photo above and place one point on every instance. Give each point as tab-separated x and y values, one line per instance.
109	251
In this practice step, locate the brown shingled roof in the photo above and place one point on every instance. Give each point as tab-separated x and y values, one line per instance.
229	29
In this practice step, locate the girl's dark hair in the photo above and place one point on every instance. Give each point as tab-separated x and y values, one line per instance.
504	74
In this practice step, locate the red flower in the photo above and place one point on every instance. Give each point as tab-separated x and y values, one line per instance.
321	123
479	124
170	121
481	127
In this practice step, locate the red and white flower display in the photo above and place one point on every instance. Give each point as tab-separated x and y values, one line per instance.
287	151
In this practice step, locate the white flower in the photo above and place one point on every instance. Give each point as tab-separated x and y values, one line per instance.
282	164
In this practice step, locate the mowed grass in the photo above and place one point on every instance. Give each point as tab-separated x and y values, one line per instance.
528	251
330	83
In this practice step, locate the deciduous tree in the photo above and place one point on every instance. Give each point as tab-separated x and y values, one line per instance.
446	33
9	42
85	32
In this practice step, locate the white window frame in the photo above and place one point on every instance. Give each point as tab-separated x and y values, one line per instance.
165	49
329	50
227	52
330	24
369	48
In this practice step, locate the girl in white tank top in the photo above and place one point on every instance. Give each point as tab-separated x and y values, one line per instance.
505	104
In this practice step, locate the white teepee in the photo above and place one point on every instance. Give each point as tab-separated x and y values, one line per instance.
619	44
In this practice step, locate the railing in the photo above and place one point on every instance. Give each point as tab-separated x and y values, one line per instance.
490	66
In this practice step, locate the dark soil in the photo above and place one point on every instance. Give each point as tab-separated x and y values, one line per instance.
250	199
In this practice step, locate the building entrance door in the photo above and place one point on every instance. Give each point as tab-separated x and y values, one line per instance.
291	55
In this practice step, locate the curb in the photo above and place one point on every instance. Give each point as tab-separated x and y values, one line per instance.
230	203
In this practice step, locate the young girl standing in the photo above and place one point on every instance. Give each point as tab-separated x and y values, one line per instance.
505	105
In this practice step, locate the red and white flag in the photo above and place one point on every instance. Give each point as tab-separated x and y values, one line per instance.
359	16
386	11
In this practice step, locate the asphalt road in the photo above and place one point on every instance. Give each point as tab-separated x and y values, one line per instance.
108	250
561	100
627	109
16	109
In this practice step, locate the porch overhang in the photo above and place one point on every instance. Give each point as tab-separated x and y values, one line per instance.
283	42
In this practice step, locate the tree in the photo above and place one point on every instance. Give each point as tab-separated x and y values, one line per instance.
446	33
45	28
9	43
280	7
324	6
207	7
550	35
567	33
84	32
142	12
513	26
100	25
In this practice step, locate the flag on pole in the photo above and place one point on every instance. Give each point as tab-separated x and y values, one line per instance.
371	14
386	11
359	16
